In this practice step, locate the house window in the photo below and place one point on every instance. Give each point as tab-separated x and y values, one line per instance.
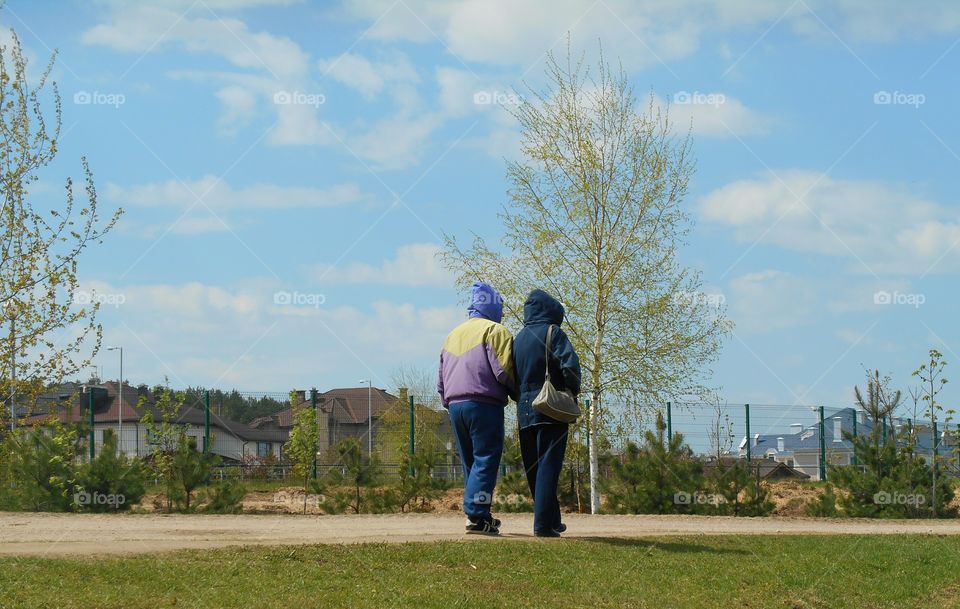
263	449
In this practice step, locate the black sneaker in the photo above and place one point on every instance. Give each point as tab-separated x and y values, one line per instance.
560	528
484	527
473	523
550	533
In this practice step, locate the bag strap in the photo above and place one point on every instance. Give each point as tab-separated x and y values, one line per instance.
547	349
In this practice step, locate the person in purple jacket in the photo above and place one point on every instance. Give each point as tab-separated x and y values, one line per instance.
476	380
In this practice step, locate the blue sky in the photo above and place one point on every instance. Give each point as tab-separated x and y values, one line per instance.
317	150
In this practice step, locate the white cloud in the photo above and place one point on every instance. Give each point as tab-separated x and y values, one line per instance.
457	88
219	195
415	264
772	300
268	64
197	225
715	114
507	32
878	227
395	142
144	27
238	337
369	78
239	106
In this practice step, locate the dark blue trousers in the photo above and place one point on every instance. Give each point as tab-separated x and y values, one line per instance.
543	448
478	428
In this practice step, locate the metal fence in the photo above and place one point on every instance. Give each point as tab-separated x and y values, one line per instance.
807	437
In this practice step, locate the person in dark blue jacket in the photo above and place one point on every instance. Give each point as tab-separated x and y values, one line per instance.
543	440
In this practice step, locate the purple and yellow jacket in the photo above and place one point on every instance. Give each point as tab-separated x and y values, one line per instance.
476	363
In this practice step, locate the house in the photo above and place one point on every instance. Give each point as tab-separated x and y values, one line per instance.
231	440
345	412
801	449
769	469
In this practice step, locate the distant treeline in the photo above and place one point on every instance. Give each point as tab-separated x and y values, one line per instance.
237	406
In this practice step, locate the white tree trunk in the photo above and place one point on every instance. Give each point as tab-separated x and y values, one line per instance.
594	456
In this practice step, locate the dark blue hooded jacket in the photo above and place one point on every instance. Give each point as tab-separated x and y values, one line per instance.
529	357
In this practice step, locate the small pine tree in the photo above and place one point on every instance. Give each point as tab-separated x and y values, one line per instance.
889	481
825	505
113	474
301	448
225	497
191	470
359	473
658	478
40	471
739	491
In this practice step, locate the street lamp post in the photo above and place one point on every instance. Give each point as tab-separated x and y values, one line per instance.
369	417
120	402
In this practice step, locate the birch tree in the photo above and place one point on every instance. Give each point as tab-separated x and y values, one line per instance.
40	246
595	216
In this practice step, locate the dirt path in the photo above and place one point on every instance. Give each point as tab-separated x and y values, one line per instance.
86	534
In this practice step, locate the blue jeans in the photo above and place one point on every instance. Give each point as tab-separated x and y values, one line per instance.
478	428
543	448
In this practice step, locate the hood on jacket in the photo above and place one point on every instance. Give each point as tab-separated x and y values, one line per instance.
541	307
485	302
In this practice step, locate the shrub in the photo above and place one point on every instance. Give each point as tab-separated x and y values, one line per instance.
39	471
655	478
113	476
825	505
513	493
353	481
738	490
889	481
225	497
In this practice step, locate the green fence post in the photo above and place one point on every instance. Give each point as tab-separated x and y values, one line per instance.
746	409
206	421
413	445
90	408
854	460
669	422
823	446
313	404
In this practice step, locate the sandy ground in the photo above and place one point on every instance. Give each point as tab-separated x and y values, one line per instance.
96	534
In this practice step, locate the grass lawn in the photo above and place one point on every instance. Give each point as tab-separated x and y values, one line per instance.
756	571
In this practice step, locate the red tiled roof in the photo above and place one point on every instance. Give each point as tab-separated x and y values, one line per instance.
348	405
76	411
